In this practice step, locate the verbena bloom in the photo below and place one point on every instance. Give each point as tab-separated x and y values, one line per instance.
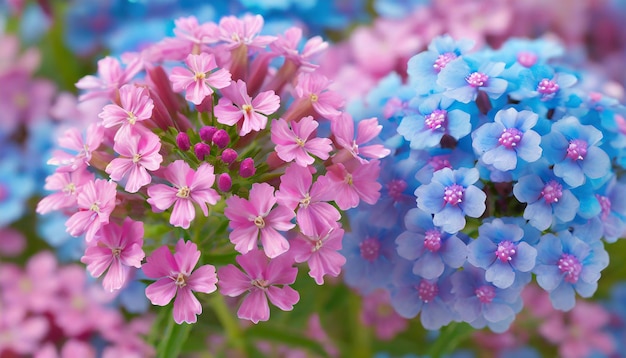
501	251
96	201
176	276
320	251
509	136
136	106
189	187
298	142
138	153
66	187
566	264
237	107
451	196
261	280
348	188
256	217
115	248
200	78
368	129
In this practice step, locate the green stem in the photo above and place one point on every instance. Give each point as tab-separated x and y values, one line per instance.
234	334
361	336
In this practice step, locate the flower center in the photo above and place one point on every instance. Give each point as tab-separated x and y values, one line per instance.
547	87
570	266
183	192
260	283
485	293
510	137
314	97
396	188
348	179
318	245
577	149
181	280
95	207
199	76
526	59
116	252
69	189
370	249
442	61
259	222
477	79
427	291
305	201
132	118
432	240
453	194
605	205
136	158
246	108
506	251
299	141
436	119
439	162
552	192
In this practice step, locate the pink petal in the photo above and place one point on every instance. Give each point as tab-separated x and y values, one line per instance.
181	78
266	102
160	264
97	259
367	130
186	306
186	256
161	292
232	281
219	79
280	271
254	307
262	198
305	127
115	277
253	263
281	133
162	196
280	218
283	298
226	113
274	244
203	279
244	238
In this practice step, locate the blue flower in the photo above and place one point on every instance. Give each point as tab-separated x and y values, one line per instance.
501	251
463	79
566	264
451	196
16	187
528	53
573	149
437	117
429	247
509	136
543	83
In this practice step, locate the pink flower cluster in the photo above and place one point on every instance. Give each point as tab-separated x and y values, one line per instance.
239	125
48	310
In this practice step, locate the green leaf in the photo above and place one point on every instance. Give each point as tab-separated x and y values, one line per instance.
173	339
449	338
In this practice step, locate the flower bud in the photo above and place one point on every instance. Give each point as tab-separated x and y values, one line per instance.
206	133
182	141
220	138
202	150
229	155
247	168
224	182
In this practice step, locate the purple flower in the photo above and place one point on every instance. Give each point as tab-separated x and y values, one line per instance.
450	196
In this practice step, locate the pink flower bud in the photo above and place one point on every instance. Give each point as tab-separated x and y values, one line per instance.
182	141
247	168
221	138
202	150
224	182
229	155
206	133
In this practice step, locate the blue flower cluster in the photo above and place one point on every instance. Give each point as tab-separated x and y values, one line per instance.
503	169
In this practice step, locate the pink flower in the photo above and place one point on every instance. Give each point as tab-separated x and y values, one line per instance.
312	92
115	248
348	188
249	218
139	153
96	202
237	32
343	129
111	76
320	251
295	143
260	280
237	104
313	214
175	278
73	140
287	45
67	187
136	105
200	81
189	187
377	312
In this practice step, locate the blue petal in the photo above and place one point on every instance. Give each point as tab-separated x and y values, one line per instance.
430	198
501	158
435	315
429	266
525	257
563	297
406	302
570	172
539	214
567	207
586	289
528	188
486	137
473	203
481	252
496	312
529	148
450	219
501	274
597	163
454	252
548	276
410	245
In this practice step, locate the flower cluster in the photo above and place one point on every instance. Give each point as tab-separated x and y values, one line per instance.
503	169
217	127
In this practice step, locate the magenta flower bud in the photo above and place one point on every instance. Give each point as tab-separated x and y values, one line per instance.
247	168
202	150
229	155
220	138
206	133
224	182
182	140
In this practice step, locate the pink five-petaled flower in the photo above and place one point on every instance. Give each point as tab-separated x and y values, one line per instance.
237	32
139	153
313	214
237	104
347	188
295	142
189	186
250	217
67	187
175	278
111	76
321	253
312	92
136	106
287	45
343	129
73	140
260	280
115	248
96	202
199	80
